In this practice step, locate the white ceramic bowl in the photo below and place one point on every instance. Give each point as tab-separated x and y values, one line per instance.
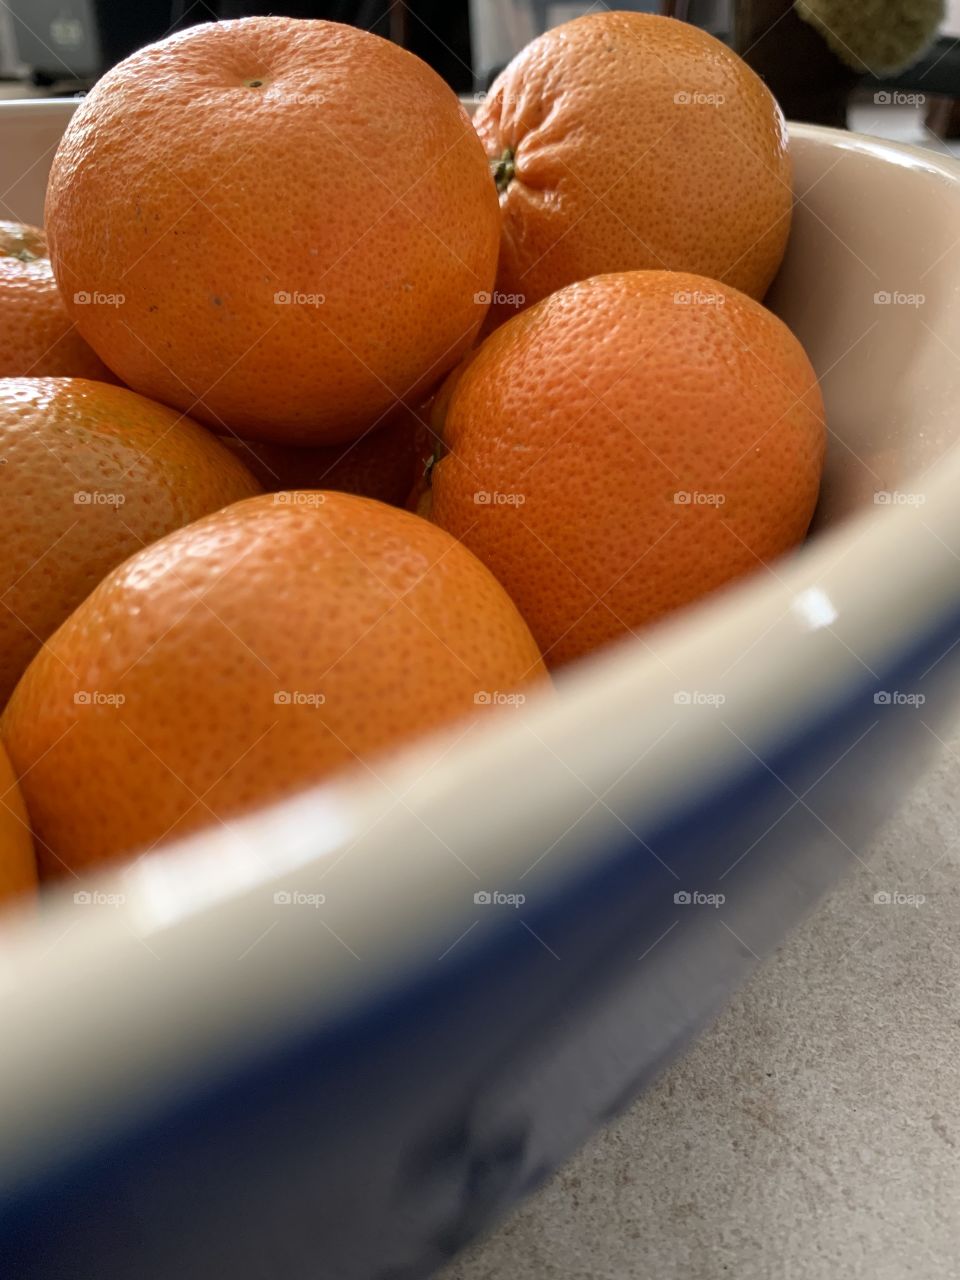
206	1061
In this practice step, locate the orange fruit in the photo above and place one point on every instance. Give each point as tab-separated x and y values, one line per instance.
18	867
37	337
298	215
91	472
629	444
431	440
625	140
252	653
384	463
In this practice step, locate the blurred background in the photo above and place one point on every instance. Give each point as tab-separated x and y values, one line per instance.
891	70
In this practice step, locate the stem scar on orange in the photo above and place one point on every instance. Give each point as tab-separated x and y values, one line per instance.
621	141
37	337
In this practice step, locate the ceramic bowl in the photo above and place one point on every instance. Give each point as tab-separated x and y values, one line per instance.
345	1036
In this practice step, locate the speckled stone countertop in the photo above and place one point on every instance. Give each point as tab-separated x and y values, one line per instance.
814	1131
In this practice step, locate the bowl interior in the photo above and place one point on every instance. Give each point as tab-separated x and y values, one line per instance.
869	286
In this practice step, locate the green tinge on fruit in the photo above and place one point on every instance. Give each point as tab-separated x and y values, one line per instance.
504	169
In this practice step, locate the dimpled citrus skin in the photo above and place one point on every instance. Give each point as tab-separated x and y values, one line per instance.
90	472
613	173
592	415
18	866
37	337
239	161
292	596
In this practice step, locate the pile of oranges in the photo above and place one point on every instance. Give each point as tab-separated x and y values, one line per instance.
329	416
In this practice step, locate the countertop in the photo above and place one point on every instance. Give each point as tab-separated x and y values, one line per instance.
814	1130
